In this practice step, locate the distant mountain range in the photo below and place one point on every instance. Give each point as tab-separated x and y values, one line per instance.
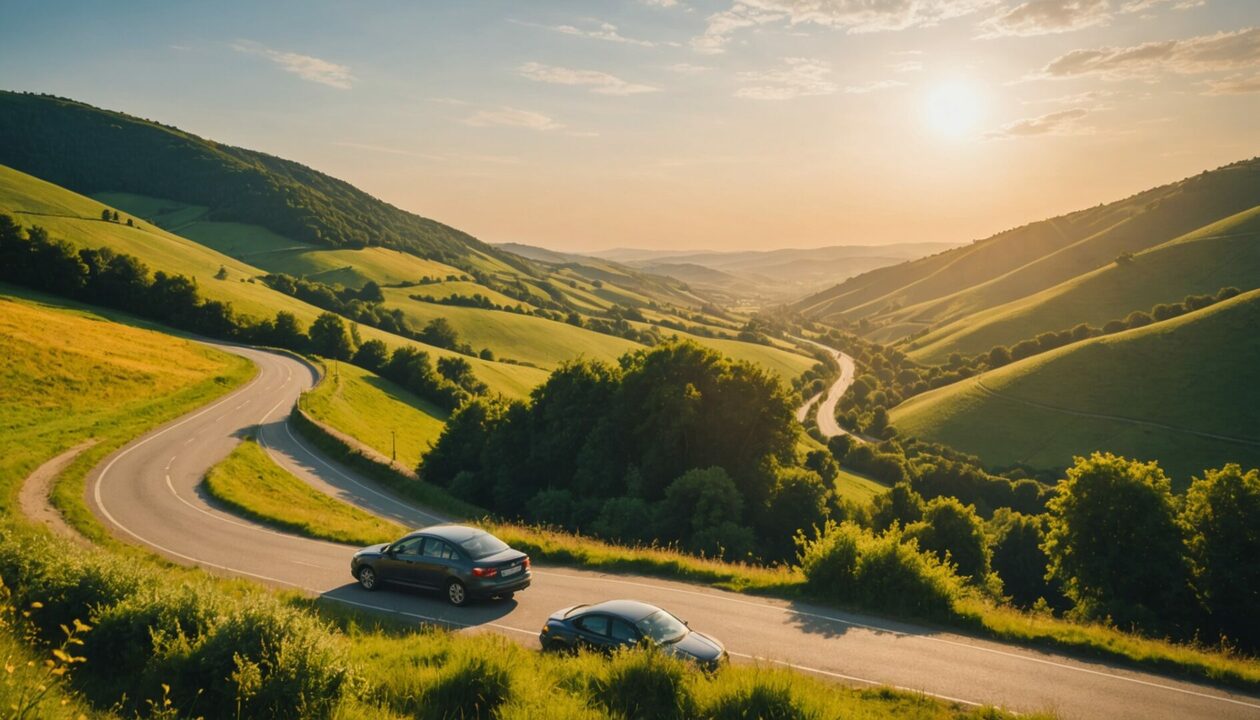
750	276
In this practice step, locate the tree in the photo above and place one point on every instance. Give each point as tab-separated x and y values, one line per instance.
699	500
999	356
1025	348
1114	542
901	505
114	216
1137	319
371	292
1219	517
1018	558
954	532
839	446
288	332
372	355
439	333
821	462
105	215
799	502
331	338
130	223
222	274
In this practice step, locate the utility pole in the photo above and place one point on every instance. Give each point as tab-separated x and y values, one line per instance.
393	444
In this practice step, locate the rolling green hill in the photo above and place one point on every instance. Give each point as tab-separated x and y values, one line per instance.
90	150
76	219
905	298
1182	392
1223	254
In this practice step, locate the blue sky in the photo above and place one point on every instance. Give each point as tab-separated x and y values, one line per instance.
685	124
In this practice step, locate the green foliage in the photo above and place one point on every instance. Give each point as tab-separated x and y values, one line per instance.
1221	521
1114	543
800	502
644	430
331	338
645	684
954	533
901	505
848	564
1019	559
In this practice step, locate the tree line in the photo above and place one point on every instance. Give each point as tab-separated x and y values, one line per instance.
117	280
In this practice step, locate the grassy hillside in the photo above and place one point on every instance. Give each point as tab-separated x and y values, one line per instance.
68	374
91	150
1189	376
75	218
375	411
1225	253
1025	260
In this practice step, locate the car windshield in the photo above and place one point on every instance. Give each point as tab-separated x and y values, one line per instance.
483	545
662	627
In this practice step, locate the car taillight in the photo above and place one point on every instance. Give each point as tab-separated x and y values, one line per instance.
526	562
485	572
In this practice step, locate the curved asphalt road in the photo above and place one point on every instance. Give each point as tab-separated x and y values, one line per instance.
148	493
826	416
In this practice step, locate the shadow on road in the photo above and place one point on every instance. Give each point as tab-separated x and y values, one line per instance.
419	606
830	623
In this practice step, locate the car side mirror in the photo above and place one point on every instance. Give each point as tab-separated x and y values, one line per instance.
387	550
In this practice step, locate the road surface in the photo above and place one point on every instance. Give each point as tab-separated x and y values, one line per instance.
148	493
826	415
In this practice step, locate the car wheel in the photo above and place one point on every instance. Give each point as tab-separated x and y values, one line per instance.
367	578
456	593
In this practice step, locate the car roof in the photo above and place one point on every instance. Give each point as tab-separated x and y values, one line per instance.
454	533
631	610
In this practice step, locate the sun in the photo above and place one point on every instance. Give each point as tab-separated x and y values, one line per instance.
954	108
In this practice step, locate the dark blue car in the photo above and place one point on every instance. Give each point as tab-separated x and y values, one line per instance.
462	562
615	624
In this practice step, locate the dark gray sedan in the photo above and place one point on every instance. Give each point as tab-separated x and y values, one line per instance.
464	562
625	623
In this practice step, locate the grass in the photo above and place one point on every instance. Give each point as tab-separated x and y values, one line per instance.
75	218
1220	255
68	373
1186	373
858	488
249	482
375	411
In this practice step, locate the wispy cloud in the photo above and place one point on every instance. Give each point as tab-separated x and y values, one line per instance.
689	68
304	66
595	30
1234	85
512	117
850	15
906	67
599	82
1062	122
1046	17
797	77
660	3
872	86
1205	53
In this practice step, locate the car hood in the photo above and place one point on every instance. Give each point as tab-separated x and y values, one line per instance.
697	645
372	549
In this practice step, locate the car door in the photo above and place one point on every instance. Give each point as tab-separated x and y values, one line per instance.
438	562
400	564
623	634
592	631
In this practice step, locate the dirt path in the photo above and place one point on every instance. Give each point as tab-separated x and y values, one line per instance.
33	498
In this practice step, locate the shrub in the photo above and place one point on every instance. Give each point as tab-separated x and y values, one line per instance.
953	532
760	699
848	564
471	687
645	684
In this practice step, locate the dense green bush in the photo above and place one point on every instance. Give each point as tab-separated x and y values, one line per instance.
848	564
954	533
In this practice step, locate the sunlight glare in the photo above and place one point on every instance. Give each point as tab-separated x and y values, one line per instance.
954	108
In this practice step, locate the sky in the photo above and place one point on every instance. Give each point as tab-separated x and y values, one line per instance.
684	124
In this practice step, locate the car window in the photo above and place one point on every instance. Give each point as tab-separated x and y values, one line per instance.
409	546
597	624
623	632
483	545
434	548
662	627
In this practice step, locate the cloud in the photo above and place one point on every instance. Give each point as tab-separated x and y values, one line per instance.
304	66
1234	85
660	3
872	86
849	15
599	82
798	77
1205	53
602	31
689	69
1046	17
512	117
1087	97
907	66
1062	122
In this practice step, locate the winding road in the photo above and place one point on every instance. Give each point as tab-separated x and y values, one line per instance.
148	493
826	415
